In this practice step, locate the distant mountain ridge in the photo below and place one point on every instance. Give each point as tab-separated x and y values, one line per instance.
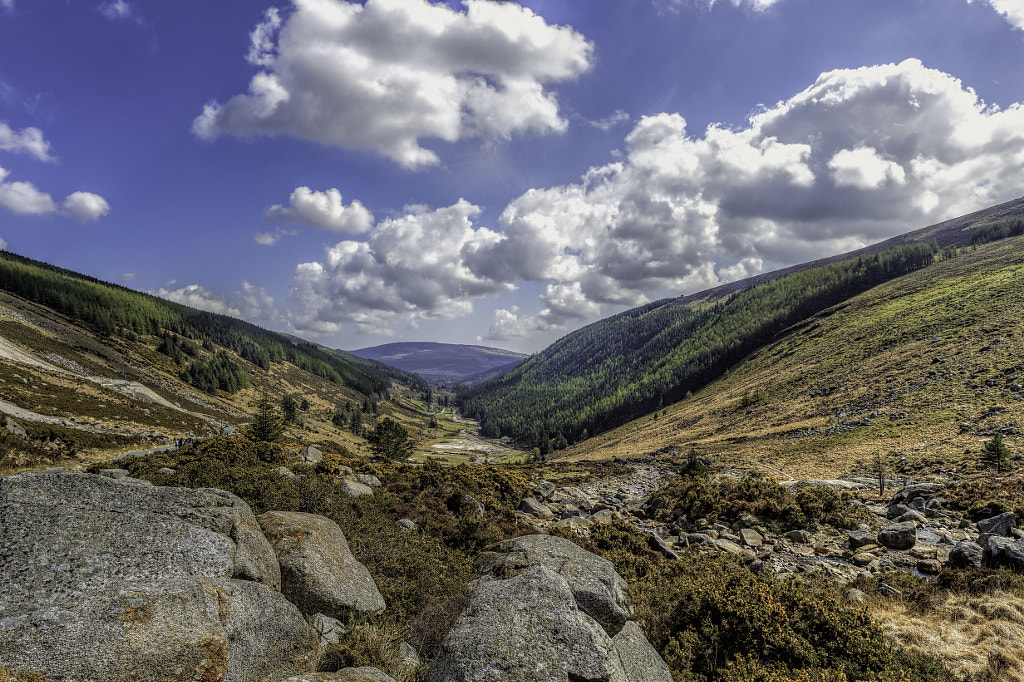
444	363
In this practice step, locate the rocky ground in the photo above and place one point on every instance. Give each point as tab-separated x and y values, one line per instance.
910	530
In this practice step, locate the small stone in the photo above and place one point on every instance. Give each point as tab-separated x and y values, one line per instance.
854	595
751	537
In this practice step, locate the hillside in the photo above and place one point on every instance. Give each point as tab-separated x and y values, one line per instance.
645	359
444	363
922	368
90	370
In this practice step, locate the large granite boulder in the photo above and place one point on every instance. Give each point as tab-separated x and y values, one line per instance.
966	554
998	525
899	535
1002	551
596	587
638	659
104	579
524	629
319	574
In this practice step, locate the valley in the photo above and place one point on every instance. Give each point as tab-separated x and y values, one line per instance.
753	479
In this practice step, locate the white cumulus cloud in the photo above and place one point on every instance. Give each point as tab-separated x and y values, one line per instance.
409	269
860	155
251	302
1011	10
388	73
324	211
25	141
86	207
23	197
201	298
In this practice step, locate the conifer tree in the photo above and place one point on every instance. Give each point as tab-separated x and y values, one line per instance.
996	454
266	426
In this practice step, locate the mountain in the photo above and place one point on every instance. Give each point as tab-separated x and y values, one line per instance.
444	363
642	360
90	370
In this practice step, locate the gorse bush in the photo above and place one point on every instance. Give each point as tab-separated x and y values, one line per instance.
726	499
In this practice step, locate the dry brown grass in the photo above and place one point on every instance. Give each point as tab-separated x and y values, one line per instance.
980	635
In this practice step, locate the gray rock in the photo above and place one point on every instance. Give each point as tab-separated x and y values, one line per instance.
407	525
912	492
750	537
355	488
659	544
311	454
899	535
286	472
697	539
530	505
896	510
854	595
566	494
543	489
599	591
603	516
999	525
329	631
473	506
369	479
166	471
801	536
524	629
122	582
319	574
113	473
1002	551
965	554
227	430
408	654
16	428
861	538
912	516
729	546
638	659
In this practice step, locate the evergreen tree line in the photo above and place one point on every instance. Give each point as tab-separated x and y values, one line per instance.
1001	229
632	364
110	308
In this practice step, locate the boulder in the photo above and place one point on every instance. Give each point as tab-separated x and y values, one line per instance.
750	537
999	525
15	428
861	538
105	581
901	535
659	544
319	574
407	525
355	488
801	536
599	591
227	430
1002	551
311	454
965	554
530	505
543	489
638	659
524	629
329	630
369	479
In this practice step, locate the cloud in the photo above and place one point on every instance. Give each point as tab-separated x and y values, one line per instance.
9	6
410	269
118	10
384	75
324	211
23	197
86	207
860	155
753	5
201	298
26	141
273	237
1011	10
251	302
612	121
129	277
3	245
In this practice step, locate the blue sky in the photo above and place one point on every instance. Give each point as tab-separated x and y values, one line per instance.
484	172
